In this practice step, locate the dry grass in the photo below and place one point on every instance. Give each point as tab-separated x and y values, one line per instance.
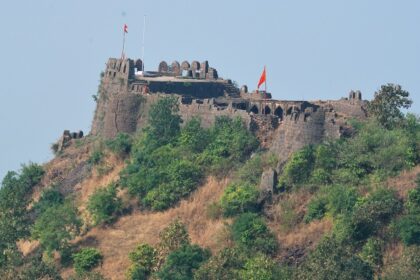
405	181
116	241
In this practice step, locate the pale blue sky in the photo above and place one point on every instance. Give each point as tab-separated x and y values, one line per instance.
53	51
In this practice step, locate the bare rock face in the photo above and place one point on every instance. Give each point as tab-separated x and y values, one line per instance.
267	184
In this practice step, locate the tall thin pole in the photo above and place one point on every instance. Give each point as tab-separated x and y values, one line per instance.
142	52
265	84
123	46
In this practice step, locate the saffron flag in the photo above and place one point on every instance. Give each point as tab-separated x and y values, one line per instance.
262	79
125	28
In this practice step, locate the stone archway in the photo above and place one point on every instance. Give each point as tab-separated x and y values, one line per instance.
267	110
279	112
254	109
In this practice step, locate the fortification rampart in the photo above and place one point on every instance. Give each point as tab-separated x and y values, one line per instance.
282	126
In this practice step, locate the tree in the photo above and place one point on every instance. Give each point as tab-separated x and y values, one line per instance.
164	120
332	261
181	263
251	234
56	226
386	105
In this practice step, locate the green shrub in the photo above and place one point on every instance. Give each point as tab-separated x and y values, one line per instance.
15	220
226	265
263	267
372	252
239	198
231	142
86	259
104	205
193	136
331	261
341	200
96	157
173	236
144	259
413	201
376	150
298	168
252	169
182	178
49	197
35	268
56	226
317	208
164	121
250	232
372	212
409	229
121	144
181	263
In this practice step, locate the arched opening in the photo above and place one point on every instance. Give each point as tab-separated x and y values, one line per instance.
267	110
279	112
254	109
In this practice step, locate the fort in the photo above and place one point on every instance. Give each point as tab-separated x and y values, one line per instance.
125	95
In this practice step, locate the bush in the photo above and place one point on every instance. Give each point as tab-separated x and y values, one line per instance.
331	261
341	200
239	198
372	252
372	212
252	234
56	226
230	142
173	237
49	197
298	168
413	201
409	229
104	205
181	263
316	209
226	265
86	259
194	137
96	157
164	121
120	145
144	260
262	267
182	177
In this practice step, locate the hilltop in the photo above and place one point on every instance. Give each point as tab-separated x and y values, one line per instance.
184	175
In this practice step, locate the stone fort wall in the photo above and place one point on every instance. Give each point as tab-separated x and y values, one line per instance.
281	126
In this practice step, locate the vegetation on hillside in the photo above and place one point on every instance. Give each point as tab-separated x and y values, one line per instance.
344	181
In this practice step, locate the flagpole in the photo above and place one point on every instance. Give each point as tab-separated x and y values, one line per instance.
142	51
265	84
123	47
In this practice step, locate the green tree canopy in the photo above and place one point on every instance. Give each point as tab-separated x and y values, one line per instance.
387	103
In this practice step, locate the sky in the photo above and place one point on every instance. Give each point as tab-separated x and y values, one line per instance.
52	53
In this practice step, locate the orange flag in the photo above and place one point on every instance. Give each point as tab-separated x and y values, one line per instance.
262	79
